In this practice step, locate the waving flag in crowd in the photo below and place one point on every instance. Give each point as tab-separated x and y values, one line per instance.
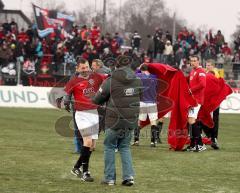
49	22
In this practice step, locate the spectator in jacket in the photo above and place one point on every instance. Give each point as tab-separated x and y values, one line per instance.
121	92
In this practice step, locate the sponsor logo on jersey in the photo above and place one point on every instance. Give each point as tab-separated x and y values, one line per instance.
91	81
88	91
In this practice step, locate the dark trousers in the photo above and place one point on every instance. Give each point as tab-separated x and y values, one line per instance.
101	113
212	132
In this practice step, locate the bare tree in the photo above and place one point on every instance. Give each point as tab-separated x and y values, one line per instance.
147	9
237	31
113	17
52	5
147	15
87	16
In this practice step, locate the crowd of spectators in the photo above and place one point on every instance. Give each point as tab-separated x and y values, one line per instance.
55	55
161	48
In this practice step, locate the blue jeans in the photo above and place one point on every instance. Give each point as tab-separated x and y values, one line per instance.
121	140
77	141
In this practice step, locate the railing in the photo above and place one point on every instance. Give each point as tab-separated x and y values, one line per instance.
44	72
50	76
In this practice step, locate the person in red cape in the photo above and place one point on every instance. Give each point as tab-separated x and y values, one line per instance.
216	91
212	133
173	88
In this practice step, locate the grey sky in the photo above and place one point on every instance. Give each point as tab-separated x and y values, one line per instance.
215	14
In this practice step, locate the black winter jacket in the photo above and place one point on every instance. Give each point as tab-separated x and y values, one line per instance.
121	92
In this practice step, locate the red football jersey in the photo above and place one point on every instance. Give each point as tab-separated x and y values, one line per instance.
83	89
197	84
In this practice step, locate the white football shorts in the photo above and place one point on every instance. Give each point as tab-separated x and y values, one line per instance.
148	109
193	112
88	123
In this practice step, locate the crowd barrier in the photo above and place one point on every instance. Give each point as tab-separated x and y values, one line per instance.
30	97
44	97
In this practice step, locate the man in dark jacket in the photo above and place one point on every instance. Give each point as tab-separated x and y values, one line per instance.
136	41
121	91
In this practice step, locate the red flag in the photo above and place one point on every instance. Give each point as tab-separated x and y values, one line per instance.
215	92
48	21
183	100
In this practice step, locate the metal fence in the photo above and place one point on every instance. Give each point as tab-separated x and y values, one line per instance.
48	70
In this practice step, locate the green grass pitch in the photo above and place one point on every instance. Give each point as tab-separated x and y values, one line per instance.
35	158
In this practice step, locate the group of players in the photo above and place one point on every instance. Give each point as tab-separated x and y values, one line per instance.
88	88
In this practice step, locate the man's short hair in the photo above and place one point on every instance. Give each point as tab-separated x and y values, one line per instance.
82	61
98	62
211	61
195	56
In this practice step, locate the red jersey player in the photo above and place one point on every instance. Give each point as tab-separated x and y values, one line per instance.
197	84
83	87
